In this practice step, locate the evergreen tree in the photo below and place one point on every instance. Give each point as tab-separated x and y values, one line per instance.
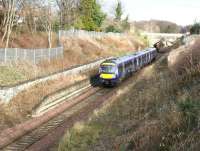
195	29
91	15
118	11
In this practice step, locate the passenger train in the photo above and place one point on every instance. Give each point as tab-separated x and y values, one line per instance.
113	71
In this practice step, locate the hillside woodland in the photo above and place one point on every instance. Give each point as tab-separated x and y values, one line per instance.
157	26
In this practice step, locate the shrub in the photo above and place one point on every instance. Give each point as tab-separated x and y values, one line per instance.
190	110
195	29
113	29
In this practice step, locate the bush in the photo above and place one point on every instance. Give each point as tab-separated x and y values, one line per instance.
195	29
113	29
190	110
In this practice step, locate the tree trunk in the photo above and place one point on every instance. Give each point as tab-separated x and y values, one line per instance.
9	22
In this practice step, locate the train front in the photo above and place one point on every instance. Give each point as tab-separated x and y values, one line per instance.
108	73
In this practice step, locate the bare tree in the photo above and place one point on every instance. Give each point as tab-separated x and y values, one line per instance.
30	14
46	18
11	13
68	10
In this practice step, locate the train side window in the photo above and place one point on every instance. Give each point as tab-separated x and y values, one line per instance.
140	60
135	62
147	57
120	68
143	58
128	64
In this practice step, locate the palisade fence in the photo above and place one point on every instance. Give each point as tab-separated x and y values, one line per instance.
82	33
9	55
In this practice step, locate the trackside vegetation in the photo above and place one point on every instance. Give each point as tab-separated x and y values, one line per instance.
160	112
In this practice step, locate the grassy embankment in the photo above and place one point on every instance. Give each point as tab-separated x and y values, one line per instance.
160	112
76	51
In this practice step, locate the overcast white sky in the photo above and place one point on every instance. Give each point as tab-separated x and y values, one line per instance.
182	12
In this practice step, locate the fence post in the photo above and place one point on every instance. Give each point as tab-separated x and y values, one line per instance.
59	35
5	55
24	54
49	55
16	53
34	57
56	53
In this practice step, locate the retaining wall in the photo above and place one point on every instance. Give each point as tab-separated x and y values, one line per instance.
7	93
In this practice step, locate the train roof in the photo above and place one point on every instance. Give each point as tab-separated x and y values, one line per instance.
131	56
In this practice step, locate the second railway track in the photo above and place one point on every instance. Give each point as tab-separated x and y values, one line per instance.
29	138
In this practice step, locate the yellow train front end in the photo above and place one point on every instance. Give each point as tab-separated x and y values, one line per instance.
108	73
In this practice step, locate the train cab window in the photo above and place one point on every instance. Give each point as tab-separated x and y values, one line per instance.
107	69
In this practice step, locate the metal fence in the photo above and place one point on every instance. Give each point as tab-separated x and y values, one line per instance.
82	33
8	55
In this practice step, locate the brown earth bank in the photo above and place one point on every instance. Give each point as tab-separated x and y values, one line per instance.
29	40
160	112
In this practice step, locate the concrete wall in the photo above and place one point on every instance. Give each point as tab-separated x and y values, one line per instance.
7	93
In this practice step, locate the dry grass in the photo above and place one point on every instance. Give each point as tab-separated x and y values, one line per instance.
158	113
76	51
21	106
185	62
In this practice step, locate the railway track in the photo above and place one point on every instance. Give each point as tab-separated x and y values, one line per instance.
29	138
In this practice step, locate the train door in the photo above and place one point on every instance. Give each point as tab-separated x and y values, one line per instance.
120	71
149	57
124	70
138	63
135	64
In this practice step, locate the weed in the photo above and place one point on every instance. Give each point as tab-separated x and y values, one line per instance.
190	110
